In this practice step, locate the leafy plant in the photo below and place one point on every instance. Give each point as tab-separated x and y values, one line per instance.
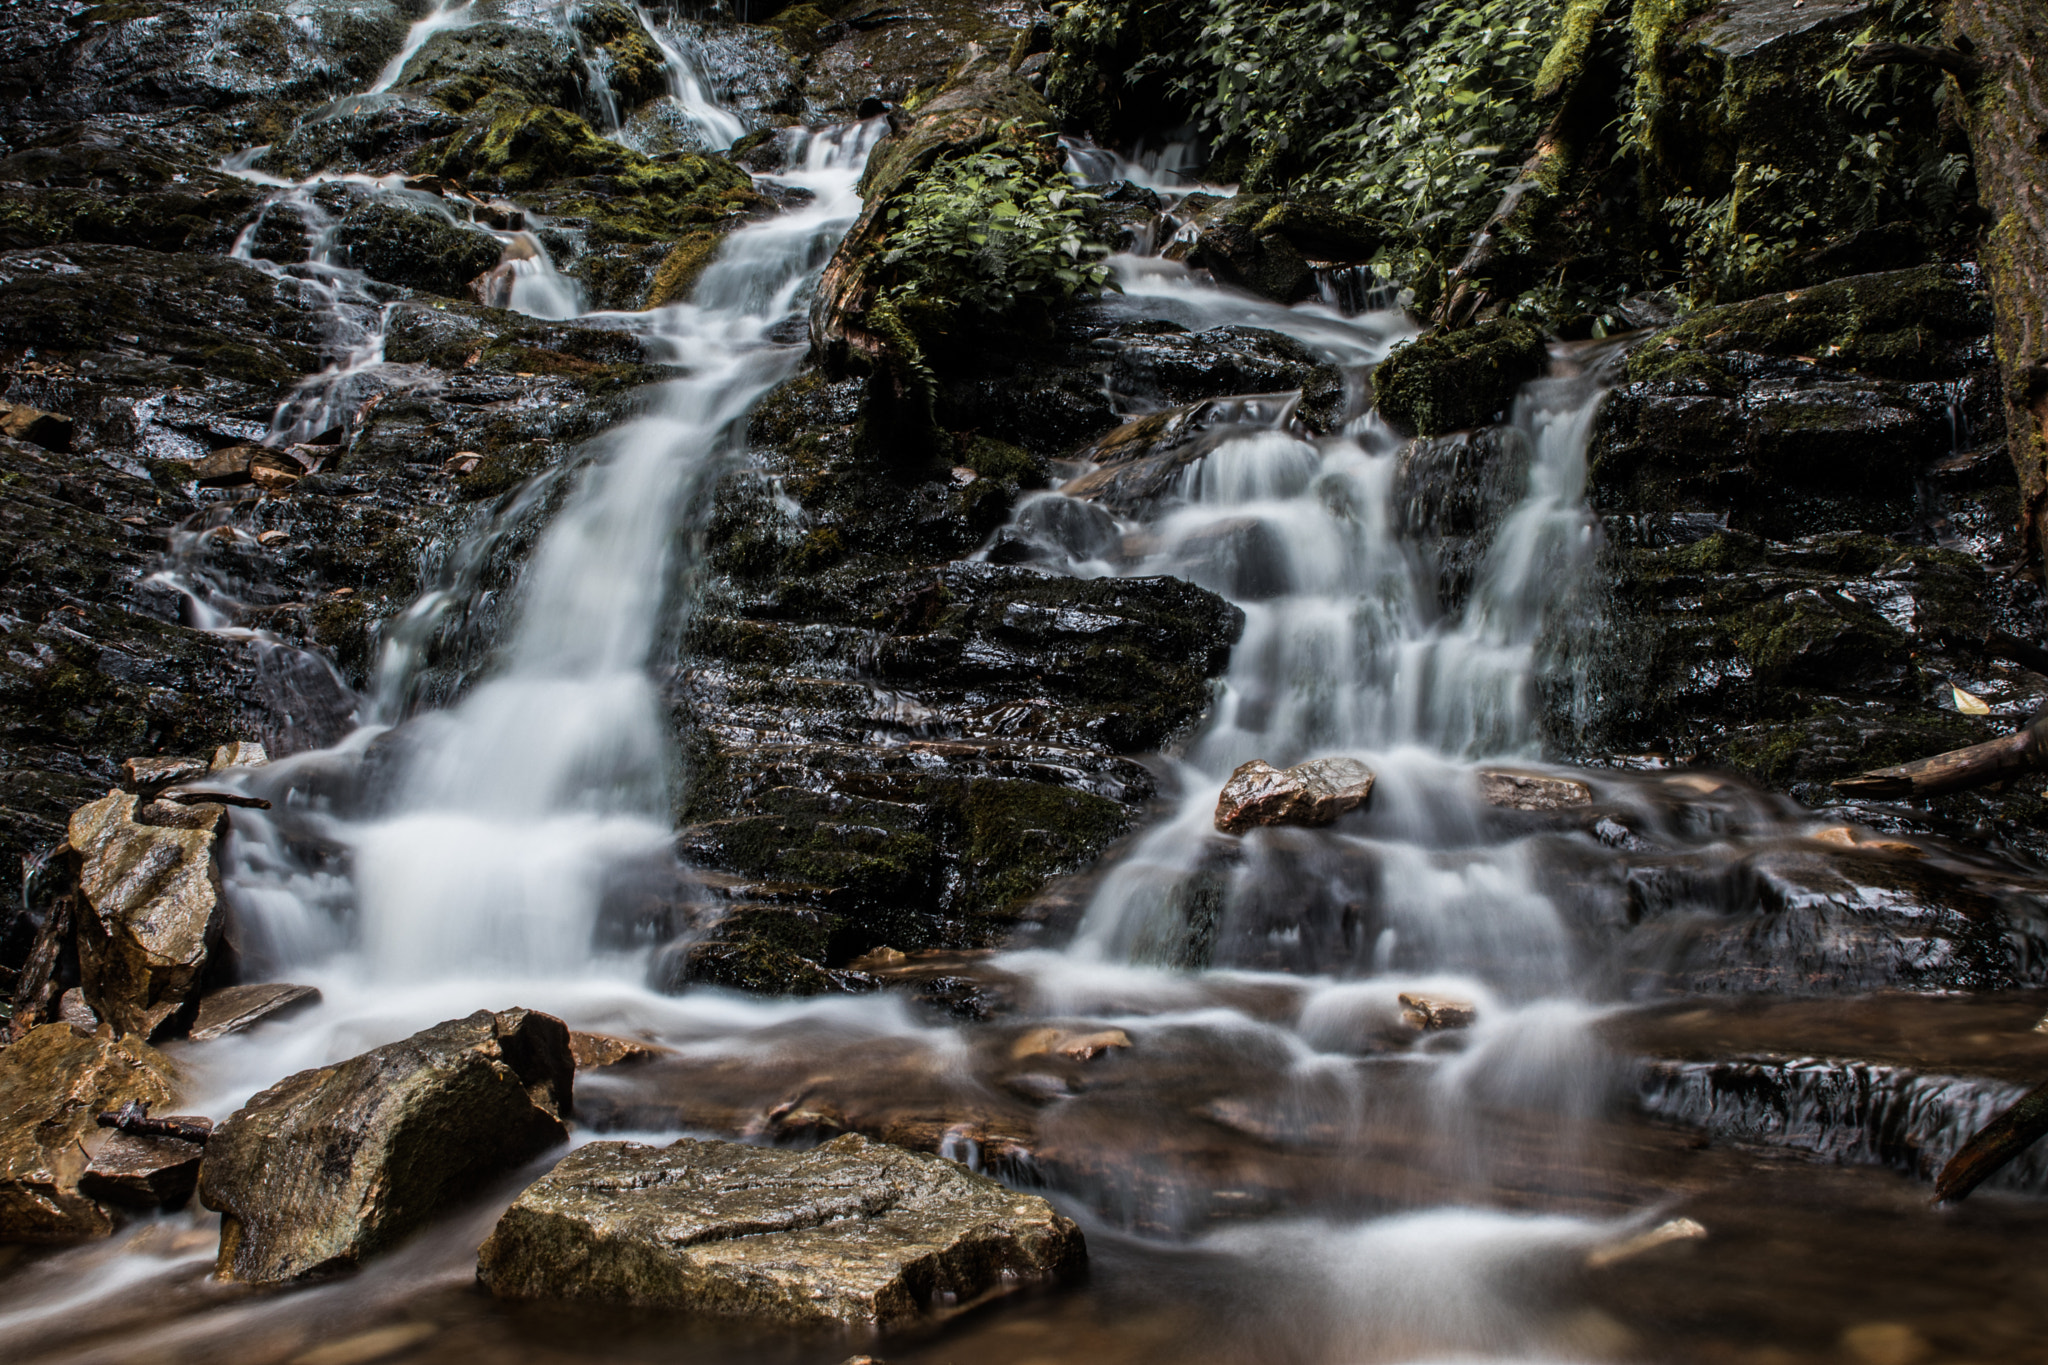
987	236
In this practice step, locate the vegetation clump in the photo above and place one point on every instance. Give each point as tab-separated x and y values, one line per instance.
1453	380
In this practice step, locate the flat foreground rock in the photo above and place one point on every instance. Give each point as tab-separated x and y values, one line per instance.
335	1164
853	1233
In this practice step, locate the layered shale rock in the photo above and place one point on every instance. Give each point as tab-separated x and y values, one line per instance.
54	1084
850	1234
329	1167
153	913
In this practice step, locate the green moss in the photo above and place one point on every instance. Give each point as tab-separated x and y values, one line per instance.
680	270
1567	55
1813	638
1919	323
821	549
1004	463
1454	380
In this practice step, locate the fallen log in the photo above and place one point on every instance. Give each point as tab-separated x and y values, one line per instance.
189	797
1958	770
1993	1146
133	1119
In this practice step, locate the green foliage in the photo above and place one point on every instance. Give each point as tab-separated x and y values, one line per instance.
984	237
1417	119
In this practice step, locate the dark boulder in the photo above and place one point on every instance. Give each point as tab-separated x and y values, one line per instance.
415	245
1452	380
329	1167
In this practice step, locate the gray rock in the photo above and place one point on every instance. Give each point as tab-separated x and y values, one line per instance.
333	1165
1311	793
1514	790
853	1233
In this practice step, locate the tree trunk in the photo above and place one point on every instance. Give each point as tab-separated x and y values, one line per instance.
2005	111
1980	765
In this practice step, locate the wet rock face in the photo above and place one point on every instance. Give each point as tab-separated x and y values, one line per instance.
414	246
851	1234
54	1084
1809	514
1451	381
153	914
1312	793
890	749
331	1166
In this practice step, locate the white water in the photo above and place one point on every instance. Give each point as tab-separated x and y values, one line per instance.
445	15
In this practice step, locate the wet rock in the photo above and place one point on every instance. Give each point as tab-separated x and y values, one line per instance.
72	1010
143	1172
45	429
1069	1043
851	1234
153	914
243	753
1431	1014
232	1009
459	67
1451	380
602	1049
1142	464
1311	793
334	1165
1268	244
123	180
1531	791
146	59
54	1083
147	776
400	242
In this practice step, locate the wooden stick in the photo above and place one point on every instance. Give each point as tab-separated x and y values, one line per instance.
1994	1145
1959	769
133	1119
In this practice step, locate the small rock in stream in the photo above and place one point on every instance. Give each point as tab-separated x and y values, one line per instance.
1431	1015
853	1233
234	1008
1311	793
333	1165
1513	790
143	1172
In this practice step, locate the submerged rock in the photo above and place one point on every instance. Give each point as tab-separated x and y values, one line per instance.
54	1084
154	913
1311	793
1531	791
853	1233
333	1165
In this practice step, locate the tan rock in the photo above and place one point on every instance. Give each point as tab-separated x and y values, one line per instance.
1842	836
1513	790
154	774
1312	793
49	430
1080	1047
54	1084
72	1009
605	1049
241	754
1431	1014
851	1234
152	913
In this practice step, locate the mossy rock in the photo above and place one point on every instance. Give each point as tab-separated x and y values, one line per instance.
681	268
403	243
1919	324
1455	380
461	67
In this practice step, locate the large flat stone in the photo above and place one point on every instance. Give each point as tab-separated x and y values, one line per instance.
853	1233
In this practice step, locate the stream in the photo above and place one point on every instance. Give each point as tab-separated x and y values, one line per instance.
1271	1162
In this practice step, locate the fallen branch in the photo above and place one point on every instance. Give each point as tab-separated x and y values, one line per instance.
1993	1146
186	797
1958	770
133	1119
1962	65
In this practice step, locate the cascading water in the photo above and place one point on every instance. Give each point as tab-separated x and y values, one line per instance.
1285	1170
